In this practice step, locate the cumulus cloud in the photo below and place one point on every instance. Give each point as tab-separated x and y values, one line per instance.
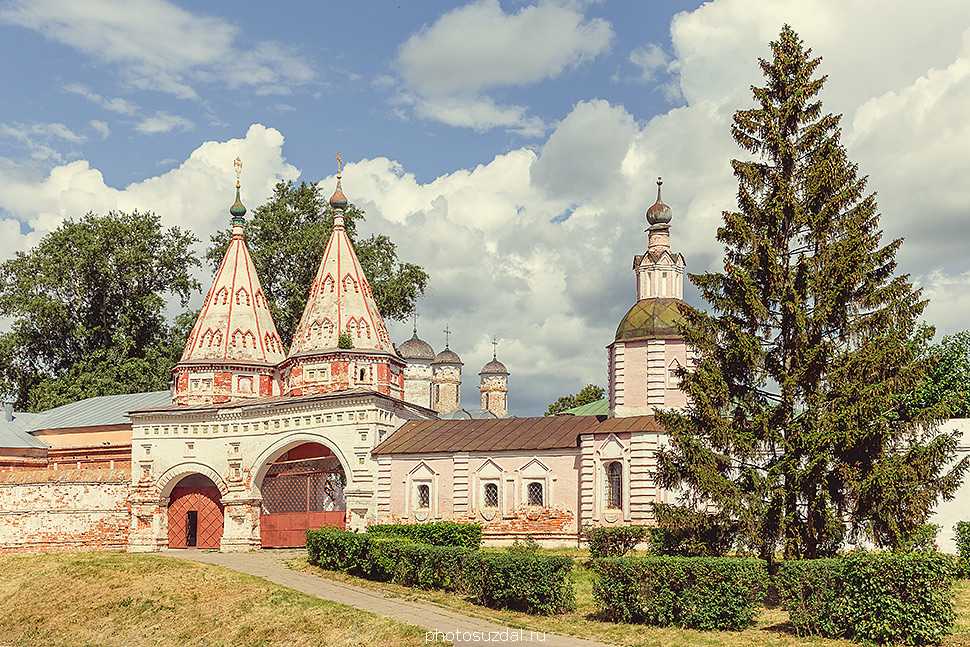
450	65
535	246
649	60
163	122
160	46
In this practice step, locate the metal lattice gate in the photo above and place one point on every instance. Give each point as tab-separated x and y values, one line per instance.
299	495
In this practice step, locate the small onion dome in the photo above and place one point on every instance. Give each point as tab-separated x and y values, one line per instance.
447	356
338	200
658	213
494	367
416	348
238	209
655	318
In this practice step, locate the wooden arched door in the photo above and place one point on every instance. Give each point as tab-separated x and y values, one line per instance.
195	514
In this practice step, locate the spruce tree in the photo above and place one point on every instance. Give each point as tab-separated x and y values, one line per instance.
798	425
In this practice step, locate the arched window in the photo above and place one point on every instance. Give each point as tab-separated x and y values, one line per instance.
535	494
491	495
673	379
424	496
614	485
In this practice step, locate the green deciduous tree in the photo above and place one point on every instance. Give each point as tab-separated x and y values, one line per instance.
286	238
587	394
87	308
797	424
947	380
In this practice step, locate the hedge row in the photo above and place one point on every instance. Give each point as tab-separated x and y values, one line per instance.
439	533
879	597
514	579
694	592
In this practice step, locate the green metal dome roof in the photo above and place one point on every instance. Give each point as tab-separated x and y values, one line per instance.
651	319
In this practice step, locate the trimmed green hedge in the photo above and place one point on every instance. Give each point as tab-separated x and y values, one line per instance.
518	578
522	580
881	597
694	592
614	541
962	532
438	533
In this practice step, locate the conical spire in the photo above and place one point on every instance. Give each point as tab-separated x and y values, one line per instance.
235	324
341	299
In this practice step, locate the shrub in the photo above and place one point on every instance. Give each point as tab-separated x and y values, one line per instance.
424	566
338	550
439	533
880	597
522	580
691	533
922	537
614	541
694	592
962	532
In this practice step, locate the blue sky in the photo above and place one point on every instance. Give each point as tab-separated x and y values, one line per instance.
510	148
346	104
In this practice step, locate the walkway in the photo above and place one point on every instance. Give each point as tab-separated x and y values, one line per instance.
458	628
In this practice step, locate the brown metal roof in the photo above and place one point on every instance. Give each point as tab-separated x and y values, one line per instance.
504	434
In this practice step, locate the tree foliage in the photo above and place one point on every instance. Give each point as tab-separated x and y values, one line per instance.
87	308
798	424
947	381
587	394
287	236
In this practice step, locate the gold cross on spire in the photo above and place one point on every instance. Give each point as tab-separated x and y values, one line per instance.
340	164
238	166
447	332
494	347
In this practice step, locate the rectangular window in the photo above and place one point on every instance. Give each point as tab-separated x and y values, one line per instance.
424	496
491	495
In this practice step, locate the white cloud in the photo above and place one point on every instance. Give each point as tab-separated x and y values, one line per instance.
160	46
101	127
163	122
450	65
113	104
40	138
649	60
535	247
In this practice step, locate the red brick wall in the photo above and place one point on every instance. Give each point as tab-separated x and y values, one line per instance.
64	510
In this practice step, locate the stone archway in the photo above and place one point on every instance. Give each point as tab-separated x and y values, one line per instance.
195	513
302	487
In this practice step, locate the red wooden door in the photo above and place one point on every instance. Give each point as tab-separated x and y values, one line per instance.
204	501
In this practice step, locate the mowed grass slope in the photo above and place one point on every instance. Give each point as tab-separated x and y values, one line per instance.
771	629
114	599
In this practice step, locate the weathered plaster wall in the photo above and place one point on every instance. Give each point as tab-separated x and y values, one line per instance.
949	512
64	509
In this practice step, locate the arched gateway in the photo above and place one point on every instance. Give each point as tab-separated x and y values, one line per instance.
195	517
301	489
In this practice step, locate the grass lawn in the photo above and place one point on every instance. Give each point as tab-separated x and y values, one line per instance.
116	599
771	629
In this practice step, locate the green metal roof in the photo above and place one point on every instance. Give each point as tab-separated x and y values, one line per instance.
595	408
651	319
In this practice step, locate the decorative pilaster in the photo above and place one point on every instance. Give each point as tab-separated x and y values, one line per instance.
643	467
240	532
460	484
587	480
383	488
656	374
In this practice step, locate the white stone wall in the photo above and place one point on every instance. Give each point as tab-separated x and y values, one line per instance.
958	509
64	510
234	447
417	382
447	388
494	391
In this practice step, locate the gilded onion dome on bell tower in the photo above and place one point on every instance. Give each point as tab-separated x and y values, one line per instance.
648	348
